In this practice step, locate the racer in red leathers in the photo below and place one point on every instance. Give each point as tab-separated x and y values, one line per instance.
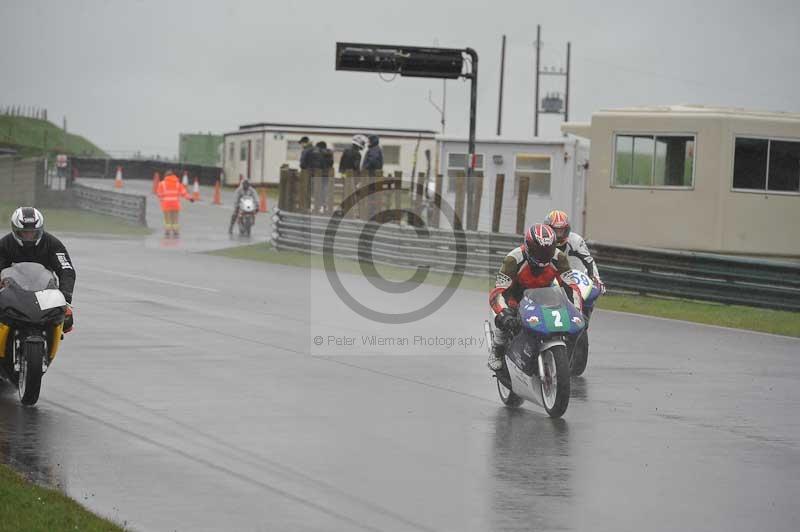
537	263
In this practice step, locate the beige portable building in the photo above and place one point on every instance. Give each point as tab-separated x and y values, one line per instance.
694	178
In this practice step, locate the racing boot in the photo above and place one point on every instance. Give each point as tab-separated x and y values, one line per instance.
497	358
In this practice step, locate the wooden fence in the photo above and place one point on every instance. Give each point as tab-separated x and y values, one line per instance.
383	198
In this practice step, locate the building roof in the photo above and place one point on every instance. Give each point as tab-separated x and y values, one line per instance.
500	140
344	130
702	110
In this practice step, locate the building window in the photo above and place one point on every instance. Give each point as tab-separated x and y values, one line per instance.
259	149
243	151
537	168
457	167
767	165
654	160
231	151
293	150
391	155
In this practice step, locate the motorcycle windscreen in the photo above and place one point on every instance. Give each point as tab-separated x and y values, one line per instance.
546	311
30	294
29	276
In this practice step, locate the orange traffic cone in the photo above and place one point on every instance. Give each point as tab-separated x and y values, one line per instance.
156	181
262	194
118	179
185	180
217	193
196	190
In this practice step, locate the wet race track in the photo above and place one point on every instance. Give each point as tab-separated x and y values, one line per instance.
193	396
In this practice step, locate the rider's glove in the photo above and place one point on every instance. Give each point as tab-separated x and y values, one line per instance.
68	320
599	284
507	319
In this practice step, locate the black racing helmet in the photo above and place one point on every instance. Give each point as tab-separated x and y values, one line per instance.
27	226
540	245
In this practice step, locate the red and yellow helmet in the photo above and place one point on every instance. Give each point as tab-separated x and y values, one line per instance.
559	223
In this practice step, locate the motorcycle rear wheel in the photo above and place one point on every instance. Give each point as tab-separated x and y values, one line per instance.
555	380
580	354
30	372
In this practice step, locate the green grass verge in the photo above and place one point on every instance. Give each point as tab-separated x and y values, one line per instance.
734	316
25	506
79	221
265	253
33	137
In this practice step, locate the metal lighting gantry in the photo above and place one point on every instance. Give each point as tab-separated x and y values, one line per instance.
421	62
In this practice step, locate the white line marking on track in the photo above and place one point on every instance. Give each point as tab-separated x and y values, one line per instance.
151	279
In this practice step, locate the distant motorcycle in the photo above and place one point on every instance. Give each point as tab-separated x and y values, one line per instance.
32	311
578	345
536	360
247	215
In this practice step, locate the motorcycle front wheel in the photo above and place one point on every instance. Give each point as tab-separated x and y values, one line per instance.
508	397
555	380
30	372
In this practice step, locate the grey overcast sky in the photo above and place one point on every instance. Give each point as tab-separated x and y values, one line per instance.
132	75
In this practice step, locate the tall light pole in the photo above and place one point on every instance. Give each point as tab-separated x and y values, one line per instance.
538	45
500	96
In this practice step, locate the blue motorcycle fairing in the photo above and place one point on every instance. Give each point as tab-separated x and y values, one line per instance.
547	311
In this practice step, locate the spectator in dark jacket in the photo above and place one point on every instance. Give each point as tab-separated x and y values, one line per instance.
351	157
326	172
325	157
310	162
309	158
304	143
373	159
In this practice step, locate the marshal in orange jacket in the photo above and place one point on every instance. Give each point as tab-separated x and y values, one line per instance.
170	191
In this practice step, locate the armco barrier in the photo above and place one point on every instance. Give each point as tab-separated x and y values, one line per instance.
142	169
681	274
131	208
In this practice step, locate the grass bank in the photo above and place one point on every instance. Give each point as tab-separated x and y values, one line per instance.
79	221
734	316
25	506
34	136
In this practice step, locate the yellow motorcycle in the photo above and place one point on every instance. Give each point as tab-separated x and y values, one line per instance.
32	311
